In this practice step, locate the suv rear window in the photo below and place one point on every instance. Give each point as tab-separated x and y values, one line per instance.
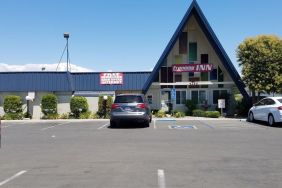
280	100
129	99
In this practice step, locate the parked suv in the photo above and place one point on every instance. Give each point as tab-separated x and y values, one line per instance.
130	107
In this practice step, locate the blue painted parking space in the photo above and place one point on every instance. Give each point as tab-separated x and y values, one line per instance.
182	127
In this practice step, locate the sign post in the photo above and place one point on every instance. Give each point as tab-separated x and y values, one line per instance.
221	105
173	97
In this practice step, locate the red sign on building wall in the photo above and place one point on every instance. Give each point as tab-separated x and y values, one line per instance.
192	68
111	78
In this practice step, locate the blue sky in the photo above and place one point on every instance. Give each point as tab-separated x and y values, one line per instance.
121	35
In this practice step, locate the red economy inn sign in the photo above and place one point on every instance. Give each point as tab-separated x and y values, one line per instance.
111	78
192	68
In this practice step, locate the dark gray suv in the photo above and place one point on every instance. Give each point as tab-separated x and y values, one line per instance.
130	107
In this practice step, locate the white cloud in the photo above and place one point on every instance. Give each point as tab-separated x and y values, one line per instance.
38	67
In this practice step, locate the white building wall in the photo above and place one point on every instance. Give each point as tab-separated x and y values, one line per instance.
63	102
35	105
154	91
93	103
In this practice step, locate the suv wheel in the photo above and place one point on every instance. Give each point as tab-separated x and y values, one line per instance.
113	124
147	123
271	120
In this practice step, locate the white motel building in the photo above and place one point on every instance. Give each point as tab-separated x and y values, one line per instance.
193	66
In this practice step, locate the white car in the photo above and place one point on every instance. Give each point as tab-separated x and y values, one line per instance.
268	109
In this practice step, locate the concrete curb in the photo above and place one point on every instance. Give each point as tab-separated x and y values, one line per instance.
52	120
93	120
198	118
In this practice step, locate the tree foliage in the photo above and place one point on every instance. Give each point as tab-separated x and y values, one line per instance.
104	112
13	107
261	61
49	104
78	106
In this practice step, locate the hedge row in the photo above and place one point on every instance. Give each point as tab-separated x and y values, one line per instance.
49	107
202	113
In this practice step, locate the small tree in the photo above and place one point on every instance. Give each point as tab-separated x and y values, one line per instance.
13	107
101	111
49	105
261	61
78	105
191	105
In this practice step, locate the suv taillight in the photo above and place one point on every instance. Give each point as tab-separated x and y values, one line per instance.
114	106
280	108
142	105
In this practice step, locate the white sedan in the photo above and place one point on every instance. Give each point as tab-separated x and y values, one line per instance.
268	109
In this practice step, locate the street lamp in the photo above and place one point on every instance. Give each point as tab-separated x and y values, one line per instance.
67	36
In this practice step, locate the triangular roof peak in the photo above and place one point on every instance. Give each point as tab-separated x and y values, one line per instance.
194	9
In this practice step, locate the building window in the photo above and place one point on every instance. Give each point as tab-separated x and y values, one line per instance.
192	51
204	76
199	96
219	94
220	77
178	59
178	78
166	75
180	97
213	74
183	43
150	99
204	58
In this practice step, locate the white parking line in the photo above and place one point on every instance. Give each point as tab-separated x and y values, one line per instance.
50	127
161	178
155	127
103	126
13	177
6	126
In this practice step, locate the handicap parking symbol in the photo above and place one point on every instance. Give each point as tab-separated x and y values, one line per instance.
182	127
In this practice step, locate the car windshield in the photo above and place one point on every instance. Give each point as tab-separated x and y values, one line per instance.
280	100
128	99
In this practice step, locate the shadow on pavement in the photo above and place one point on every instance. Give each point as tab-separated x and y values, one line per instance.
262	123
128	125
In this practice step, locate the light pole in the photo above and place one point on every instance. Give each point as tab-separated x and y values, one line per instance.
67	36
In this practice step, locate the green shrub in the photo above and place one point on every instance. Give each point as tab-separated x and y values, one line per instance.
242	107
104	112
160	114
13	107
179	114
191	105
27	115
51	116
199	113
212	114
78	105
13	116
154	111
85	115
64	116
95	116
49	104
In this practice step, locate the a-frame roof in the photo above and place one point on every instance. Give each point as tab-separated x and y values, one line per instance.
195	10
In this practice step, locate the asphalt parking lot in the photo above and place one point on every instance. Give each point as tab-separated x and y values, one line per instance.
195	153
